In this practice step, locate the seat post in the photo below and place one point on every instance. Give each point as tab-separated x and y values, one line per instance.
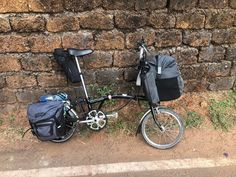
82	78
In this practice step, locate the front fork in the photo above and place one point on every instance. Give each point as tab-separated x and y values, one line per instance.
154	111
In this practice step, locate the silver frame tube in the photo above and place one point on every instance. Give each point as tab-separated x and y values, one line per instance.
81	77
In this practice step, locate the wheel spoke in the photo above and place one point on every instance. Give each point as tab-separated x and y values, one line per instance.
70	129
171	126
170	136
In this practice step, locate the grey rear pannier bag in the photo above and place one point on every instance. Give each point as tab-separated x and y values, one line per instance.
47	119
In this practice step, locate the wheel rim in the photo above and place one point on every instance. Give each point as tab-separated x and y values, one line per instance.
166	138
70	129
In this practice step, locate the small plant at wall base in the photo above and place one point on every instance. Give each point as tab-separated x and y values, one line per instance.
223	113
105	90
115	126
83	132
102	91
12	119
1	122
193	120
126	127
232	98
20	131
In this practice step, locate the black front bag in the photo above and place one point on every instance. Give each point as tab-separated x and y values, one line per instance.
162	81
68	64
47	119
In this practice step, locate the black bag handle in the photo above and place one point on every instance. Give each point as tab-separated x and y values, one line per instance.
158	66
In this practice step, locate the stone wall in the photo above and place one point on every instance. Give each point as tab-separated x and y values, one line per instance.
201	34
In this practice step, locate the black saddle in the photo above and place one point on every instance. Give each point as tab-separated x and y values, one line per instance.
79	53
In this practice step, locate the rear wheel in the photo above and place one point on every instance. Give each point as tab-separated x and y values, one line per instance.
169	133
70	130
98	120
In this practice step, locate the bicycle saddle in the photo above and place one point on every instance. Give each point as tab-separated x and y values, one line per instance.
79	53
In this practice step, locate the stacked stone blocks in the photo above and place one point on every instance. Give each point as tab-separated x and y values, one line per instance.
201	34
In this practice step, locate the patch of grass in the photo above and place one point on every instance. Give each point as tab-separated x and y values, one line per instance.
12	119
84	131
105	90
140	114
223	113
131	128
113	127
232	98
144	105
127	127
193	120
1	122
102	90
21	131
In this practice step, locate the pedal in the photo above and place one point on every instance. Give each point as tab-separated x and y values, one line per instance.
113	115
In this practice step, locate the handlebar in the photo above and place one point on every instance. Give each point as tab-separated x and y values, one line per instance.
143	49
141	43
143	63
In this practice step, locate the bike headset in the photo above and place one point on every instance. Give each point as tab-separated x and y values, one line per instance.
143	63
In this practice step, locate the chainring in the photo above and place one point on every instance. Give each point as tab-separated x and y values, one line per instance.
99	120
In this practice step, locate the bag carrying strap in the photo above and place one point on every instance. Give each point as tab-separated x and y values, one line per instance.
159	68
138	80
143	69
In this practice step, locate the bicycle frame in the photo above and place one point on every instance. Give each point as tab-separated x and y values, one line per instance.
95	117
91	102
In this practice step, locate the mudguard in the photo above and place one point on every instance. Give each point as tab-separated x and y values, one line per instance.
141	121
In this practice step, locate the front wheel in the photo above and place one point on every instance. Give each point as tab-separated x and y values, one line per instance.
169	133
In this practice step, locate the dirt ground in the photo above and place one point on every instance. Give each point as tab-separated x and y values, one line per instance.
103	147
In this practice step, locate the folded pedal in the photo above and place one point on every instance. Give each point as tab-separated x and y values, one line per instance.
113	115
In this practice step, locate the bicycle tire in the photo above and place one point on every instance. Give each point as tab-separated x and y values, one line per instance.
164	116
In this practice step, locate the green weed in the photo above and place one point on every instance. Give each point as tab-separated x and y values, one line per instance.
127	127
144	105
12	119
21	131
84	131
131	128
105	90
102	90
232	98
193	120
222	113
1	122
113	127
